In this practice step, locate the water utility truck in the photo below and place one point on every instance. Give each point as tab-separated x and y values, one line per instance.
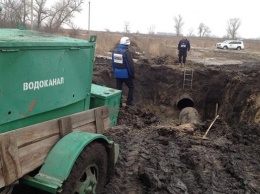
51	135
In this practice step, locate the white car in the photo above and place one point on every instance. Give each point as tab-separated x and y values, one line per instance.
231	44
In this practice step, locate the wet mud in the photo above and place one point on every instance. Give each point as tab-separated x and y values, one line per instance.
159	155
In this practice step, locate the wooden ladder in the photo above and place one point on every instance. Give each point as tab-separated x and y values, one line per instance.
187	78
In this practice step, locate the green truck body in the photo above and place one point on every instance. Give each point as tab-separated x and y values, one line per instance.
42	77
101	95
45	96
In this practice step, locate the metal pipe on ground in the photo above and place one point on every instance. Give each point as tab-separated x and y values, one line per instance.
189	115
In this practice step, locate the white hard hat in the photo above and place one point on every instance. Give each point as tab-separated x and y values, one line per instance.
125	41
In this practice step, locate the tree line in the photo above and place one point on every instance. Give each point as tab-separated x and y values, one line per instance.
203	30
16	12
51	19
233	25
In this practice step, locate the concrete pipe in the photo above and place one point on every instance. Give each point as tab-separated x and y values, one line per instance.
184	100
189	115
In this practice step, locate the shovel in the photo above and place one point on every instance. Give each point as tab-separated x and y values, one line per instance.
205	135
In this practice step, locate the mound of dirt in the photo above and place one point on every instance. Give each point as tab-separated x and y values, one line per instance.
134	49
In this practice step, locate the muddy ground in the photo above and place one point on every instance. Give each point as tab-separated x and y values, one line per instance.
160	156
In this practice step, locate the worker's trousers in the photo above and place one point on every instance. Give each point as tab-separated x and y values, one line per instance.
130	84
182	56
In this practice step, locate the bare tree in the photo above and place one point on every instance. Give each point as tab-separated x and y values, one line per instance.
191	32
126	27
16	12
41	12
151	29
74	29
13	13
24	7
178	20
200	29
62	13
203	30
233	25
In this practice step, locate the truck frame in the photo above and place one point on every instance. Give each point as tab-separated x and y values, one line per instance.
52	142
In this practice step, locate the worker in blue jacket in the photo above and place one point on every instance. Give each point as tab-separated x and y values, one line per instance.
123	68
183	47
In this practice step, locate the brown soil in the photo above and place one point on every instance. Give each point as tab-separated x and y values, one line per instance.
160	156
157	155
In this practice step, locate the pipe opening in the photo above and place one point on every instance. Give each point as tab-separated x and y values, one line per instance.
184	101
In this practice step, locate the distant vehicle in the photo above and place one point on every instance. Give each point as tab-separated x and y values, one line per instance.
231	44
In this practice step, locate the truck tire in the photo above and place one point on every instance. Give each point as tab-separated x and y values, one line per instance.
89	173
6	190
225	47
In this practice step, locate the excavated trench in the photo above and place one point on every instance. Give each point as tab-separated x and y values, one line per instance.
159	88
161	153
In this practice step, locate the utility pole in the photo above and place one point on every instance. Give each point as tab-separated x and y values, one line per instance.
88	16
24	11
31	14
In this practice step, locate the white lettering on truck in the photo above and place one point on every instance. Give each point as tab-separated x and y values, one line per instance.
43	84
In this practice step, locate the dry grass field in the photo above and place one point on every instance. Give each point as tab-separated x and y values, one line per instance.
156	45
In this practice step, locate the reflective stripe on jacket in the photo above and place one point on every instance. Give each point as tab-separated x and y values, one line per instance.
122	62
184	46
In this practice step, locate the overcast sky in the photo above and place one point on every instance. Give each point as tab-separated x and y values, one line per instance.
142	14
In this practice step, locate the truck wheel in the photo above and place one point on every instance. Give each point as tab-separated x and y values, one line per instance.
6	190
89	173
225	47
